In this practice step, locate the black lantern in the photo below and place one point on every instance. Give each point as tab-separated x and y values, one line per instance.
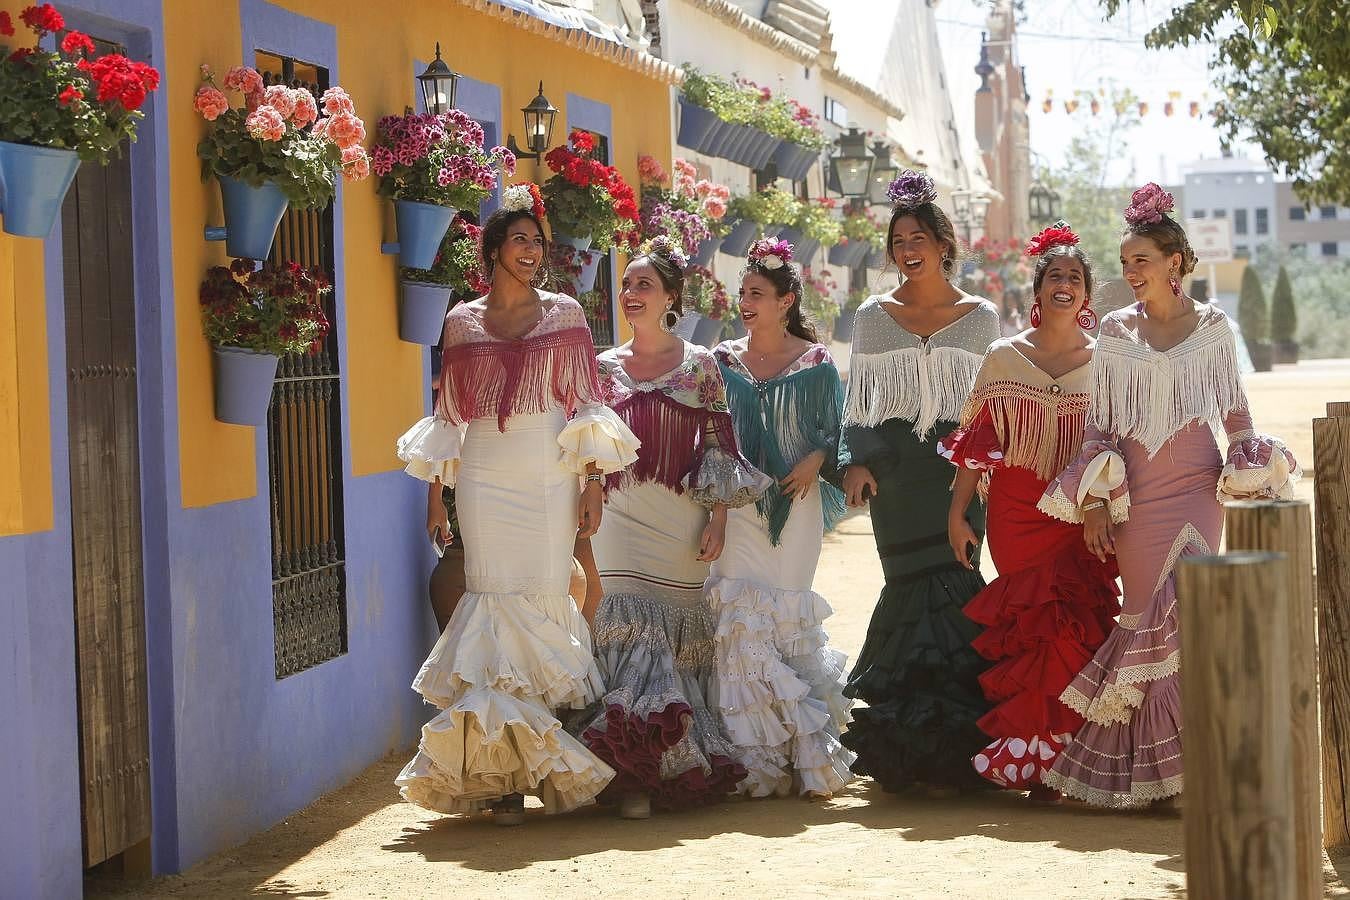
438	85
538	127
884	171
1042	203
851	167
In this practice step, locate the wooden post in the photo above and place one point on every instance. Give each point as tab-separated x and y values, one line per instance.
1331	493
1285	526
1239	813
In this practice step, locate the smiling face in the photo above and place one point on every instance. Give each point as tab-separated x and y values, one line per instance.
1063	288
642	296
915	250
761	306
521	254
1146	268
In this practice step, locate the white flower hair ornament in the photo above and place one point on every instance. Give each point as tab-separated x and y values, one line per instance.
524	198
663	245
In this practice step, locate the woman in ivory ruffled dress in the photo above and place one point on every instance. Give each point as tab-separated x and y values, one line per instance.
1147	485
665	521
781	685
518	430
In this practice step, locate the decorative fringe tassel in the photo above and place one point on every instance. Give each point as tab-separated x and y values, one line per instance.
1037	430
782	420
923	386
502	379
674	439
1151	398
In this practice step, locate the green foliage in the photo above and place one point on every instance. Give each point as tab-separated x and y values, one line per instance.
745	103
303	166
276	309
458	264
818	301
770	206
1283	70
1089	200
705	294
863	225
817	221
1253	316
1283	316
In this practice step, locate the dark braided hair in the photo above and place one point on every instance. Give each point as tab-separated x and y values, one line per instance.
787	279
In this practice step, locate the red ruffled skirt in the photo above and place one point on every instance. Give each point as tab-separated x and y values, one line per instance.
1045	616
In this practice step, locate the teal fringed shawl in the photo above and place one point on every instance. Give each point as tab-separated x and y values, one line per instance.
781	420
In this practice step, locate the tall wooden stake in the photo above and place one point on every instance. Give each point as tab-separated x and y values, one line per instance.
1331	491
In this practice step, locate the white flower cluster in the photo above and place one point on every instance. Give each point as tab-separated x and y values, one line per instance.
517	197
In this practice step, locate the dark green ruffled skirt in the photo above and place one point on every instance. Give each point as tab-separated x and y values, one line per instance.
917	671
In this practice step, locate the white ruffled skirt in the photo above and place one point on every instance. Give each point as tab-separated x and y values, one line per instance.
516	648
781	685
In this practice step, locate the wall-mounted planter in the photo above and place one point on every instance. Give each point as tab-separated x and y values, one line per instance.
707	251
252	215
696	126
849	255
708	332
421	228
876	258
243	384
33	185
576	242
737	327
794	161
762	150
804	247
739	239
719	138
590	268
421	312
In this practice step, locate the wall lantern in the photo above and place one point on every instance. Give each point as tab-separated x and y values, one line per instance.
884	171
851	168
1042	203
538	127
438	85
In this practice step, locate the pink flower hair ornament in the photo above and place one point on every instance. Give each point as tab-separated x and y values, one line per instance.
769	253
665	246
1148	205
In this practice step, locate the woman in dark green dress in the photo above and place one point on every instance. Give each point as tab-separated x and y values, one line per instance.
916	352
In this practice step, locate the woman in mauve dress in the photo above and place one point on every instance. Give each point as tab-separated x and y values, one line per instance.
1147	484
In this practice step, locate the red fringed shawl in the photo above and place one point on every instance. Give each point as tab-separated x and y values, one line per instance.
674	438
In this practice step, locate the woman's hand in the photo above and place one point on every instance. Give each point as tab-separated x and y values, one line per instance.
961	537
588	509
804	474
438	519
714	535
856	479
1098	533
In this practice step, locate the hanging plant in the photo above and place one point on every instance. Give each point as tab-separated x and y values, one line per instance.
816	220
458	264
704	294
863	225
585	196
437	159
770	206
276	309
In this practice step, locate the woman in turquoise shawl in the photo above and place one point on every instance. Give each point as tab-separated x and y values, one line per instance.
781	686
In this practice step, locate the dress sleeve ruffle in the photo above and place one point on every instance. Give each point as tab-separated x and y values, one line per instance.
1259	467
727	478
1099	471
975	446
597	435
431	450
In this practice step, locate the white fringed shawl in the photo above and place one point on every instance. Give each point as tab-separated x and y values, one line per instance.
1149	395
895	375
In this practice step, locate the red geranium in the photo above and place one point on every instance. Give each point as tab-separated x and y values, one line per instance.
587	197
43	18
74	41
6	25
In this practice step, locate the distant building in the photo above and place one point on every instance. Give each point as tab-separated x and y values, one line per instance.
1002	128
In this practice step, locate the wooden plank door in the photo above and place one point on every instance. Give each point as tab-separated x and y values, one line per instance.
105	505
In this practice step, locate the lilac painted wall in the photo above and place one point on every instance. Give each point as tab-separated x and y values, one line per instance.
233	750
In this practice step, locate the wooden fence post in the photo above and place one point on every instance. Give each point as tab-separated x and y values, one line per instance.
1280	526
1239	814
1331	493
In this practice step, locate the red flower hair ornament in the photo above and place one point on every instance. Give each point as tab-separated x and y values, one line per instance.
1057	235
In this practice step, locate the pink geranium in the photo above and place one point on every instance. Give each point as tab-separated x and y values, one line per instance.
306	109
345	130
355	164
335	100
210	102
650	170
245	80
265	124
279	97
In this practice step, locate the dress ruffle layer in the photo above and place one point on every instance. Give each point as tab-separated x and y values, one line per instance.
501	664
597	435
658	728
781	688
726	478
431	450
920	678
1258	467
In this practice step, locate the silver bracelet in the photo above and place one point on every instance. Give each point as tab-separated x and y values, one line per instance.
593	476
1096	505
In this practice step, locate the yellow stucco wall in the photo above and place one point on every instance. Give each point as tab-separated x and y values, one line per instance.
384	374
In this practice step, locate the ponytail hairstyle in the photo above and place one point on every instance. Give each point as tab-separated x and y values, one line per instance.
1147	216
670	263
773	260
914	194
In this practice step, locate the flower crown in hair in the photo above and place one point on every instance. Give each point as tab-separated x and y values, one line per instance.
912	189
525	196
1148	205
1057	235
768	253
664	246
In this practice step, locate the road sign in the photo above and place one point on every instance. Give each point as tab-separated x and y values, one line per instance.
1211	239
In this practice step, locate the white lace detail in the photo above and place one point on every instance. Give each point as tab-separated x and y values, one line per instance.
1190	536
1141	793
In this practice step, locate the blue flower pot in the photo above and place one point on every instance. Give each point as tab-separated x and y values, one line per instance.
738	139
686	326
707	251
737	327
421	228
804	248
765	146
793	160
739	239
849	255
421	314
243	385
33	185
876	258
707	333
696	126
590	267
252	215
582	242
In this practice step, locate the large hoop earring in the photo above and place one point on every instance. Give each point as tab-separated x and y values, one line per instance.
669	320
1036	314
1087	319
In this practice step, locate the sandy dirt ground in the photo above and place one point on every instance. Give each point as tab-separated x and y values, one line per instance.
362	841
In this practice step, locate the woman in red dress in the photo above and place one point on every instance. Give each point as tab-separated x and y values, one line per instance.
1053	602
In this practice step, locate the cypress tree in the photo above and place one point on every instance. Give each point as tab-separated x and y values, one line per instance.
1283	317
1252	314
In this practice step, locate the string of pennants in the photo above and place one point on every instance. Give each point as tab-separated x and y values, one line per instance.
1094	102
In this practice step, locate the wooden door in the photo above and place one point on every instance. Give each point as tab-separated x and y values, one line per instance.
105	501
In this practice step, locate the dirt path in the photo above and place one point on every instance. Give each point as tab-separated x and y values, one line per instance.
362	841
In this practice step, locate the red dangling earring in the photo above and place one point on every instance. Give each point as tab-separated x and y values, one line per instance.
1087	319
1036	314
1175	282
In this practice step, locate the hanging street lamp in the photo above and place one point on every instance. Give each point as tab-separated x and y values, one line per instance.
851	167
439	83
539	115
884	171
